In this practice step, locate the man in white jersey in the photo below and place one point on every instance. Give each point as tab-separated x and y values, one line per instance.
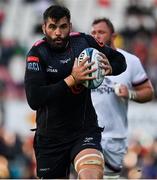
111	100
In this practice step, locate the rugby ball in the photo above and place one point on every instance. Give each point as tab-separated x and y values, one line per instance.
99	73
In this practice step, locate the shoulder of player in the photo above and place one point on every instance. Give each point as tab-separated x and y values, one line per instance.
39	42
75	35
35	50
128	56
38	45
91	40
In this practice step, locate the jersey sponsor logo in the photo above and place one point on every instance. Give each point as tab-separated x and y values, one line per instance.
65	61
33	66
88	141
106	87
44	169
32	59
51	69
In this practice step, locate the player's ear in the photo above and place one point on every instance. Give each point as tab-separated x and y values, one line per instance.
114	35
43	28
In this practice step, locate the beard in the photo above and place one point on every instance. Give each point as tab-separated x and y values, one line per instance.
59	44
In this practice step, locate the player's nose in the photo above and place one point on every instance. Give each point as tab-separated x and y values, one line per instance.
58	32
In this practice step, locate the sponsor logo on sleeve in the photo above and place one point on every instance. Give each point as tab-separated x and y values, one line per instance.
32	59
33	63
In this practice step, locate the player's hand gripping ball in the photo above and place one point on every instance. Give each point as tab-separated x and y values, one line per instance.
99	73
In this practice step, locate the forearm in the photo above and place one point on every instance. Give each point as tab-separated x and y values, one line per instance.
39	95
140	93
143	95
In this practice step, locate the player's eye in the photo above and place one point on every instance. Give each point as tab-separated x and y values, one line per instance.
102	32
63	26
52	26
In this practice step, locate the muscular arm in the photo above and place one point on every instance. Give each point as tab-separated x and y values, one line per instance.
39	91
141	93
39	95
144	92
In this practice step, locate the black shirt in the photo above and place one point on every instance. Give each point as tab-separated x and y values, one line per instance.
62	111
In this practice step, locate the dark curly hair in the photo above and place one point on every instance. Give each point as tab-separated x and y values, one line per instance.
56	12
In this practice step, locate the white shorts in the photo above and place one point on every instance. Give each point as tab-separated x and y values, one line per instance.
114	150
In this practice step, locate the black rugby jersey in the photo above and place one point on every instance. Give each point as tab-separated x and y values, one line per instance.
61	110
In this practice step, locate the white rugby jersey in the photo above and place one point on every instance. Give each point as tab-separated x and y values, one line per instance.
111	109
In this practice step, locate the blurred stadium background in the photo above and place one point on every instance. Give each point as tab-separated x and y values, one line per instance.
20	26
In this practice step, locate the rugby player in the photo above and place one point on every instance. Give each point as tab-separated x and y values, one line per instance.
67	129
111	100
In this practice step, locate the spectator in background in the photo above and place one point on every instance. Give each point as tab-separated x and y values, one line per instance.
111	98
18	156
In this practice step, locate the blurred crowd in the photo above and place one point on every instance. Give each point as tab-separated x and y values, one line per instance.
141	160
16	156
138	36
